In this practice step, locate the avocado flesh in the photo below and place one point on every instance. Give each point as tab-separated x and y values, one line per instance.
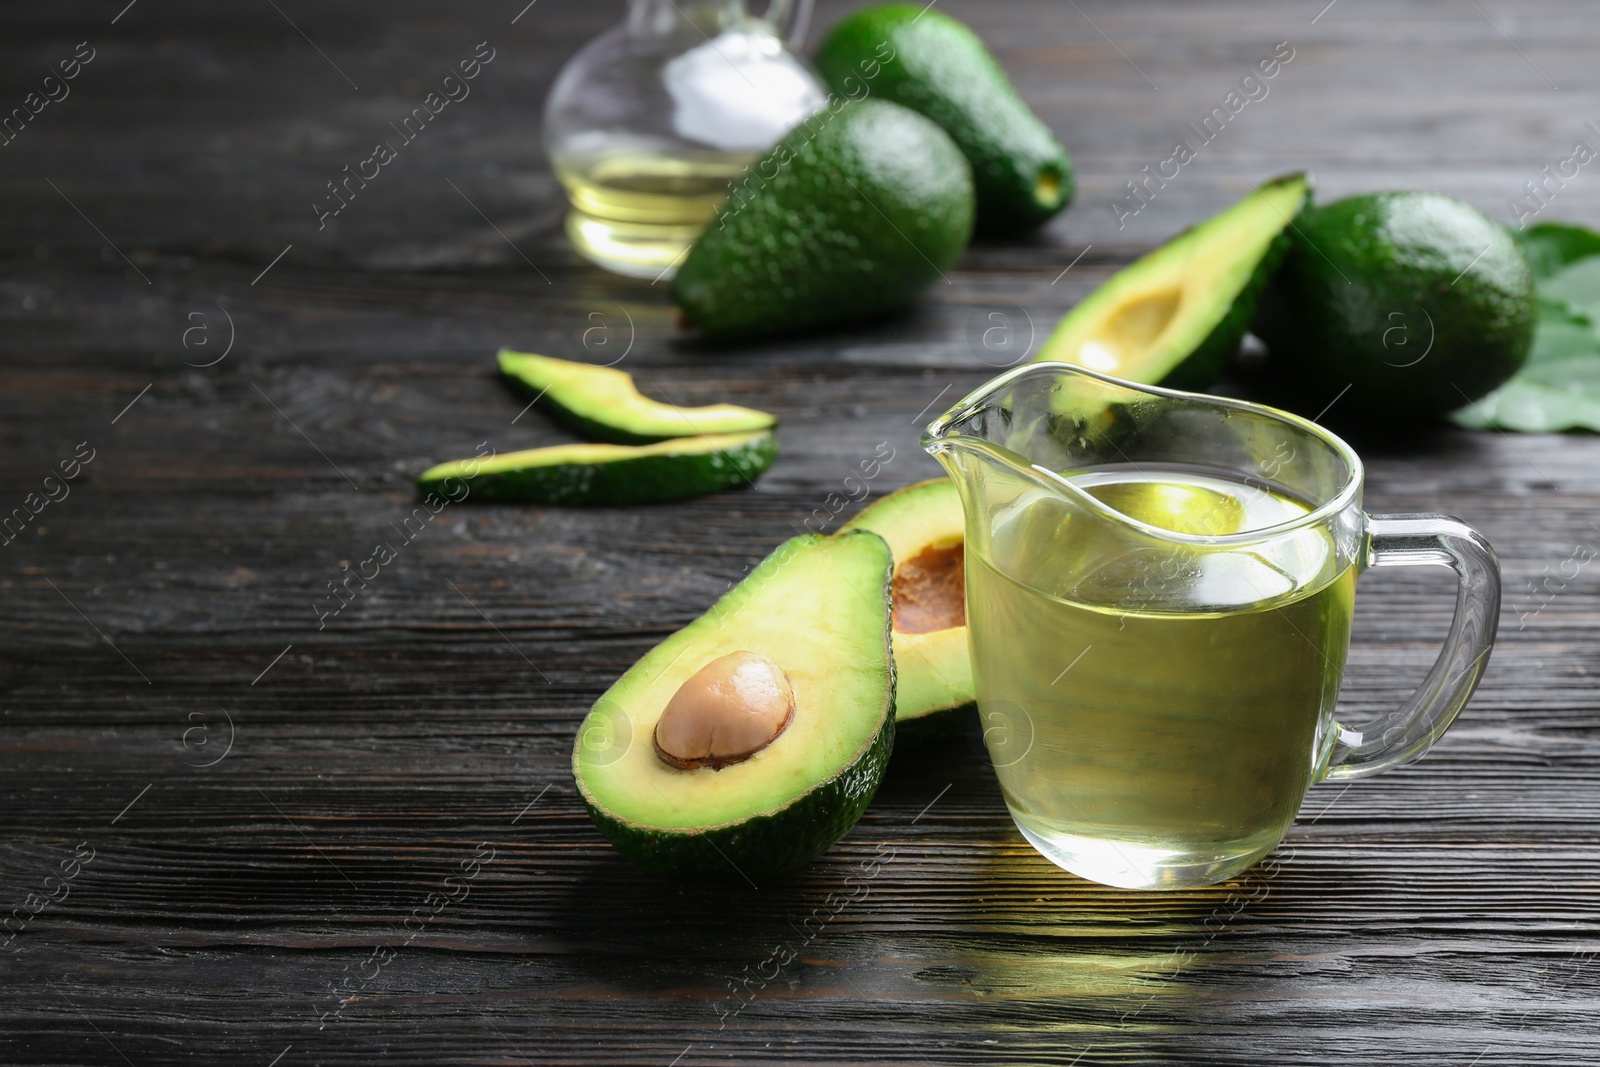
1404	305
603	404
611	474
923	524
853	214
1176	315
819	608
927	61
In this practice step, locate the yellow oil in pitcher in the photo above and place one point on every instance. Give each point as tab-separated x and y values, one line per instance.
1195	678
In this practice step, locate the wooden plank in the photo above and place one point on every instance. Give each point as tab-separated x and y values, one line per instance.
1445	913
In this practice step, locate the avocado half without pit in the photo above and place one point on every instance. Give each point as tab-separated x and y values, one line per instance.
924	527
1176	315
748	742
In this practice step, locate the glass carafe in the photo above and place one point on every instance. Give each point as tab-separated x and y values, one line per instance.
650	123
1159	594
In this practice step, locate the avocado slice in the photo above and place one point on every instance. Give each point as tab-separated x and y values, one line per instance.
1403	305
854	213
925	529
603	404
934	64
818	607
611	474
1176	315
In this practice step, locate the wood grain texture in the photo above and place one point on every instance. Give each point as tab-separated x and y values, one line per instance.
164	616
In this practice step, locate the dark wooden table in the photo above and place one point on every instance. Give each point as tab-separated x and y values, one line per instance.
257	803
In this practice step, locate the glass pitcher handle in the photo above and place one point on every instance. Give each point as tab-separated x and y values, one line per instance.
1429	541
790	18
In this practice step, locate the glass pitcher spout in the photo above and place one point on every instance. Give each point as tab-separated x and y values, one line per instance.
1058	417
1082	445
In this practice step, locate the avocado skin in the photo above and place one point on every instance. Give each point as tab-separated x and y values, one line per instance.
820	231
937	66
591	430
767	845
640	480
1344	310
582	426
587	428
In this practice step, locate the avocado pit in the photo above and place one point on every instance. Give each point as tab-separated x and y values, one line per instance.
930	591
726	712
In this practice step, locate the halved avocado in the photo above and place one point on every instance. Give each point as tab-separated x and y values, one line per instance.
612	474
1176	315
603	404
818	608
924	527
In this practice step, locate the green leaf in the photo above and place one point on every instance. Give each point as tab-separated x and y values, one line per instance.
1551	246
1559	387
1577	287
1533	407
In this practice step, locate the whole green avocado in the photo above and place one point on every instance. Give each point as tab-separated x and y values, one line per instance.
854	213
1404	305
932	63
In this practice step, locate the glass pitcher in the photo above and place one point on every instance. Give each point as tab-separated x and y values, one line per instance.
1159	593
650	123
